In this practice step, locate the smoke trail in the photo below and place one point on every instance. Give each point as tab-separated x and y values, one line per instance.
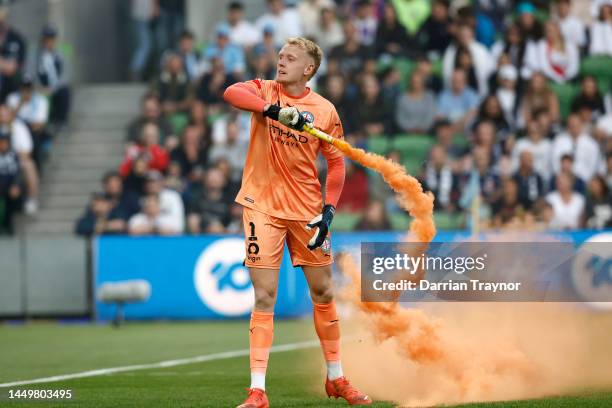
438	360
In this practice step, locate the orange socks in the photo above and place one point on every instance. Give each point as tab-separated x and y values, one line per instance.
328	329
261	333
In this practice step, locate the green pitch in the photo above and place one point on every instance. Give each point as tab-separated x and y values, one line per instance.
294	377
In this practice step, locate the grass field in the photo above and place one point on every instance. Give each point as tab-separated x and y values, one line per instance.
294	377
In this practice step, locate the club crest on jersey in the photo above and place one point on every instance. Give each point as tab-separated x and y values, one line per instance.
326	246
308	116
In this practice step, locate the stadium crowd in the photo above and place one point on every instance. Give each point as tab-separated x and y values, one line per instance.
503	109
34	107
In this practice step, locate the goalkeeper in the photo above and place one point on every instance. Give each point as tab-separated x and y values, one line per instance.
282	203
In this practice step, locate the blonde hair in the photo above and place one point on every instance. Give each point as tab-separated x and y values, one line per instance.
311	48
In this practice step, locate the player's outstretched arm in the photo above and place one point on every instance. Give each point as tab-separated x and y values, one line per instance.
334	183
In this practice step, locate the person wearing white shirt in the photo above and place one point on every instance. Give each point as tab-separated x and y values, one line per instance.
601	32
310	12
328	33
286	21
556	58
506	91
481	57
539	147
29	105
568	205
586	152
151	221
172	210
242	32
572	28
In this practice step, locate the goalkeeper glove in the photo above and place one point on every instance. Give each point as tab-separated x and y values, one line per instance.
321	222
290	117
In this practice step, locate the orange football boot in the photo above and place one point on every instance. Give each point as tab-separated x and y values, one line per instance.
340	387
257	399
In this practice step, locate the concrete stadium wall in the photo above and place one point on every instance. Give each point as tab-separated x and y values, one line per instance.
44	276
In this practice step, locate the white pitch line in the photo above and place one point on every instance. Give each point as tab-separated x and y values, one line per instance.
162	364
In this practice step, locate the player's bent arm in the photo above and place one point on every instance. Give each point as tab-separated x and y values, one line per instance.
243	95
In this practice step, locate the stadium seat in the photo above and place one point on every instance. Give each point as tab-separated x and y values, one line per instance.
565	93
345	221
599	67
460	140
399	221
413	150
378	144
448	221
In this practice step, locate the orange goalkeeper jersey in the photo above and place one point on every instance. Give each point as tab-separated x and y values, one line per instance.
280	175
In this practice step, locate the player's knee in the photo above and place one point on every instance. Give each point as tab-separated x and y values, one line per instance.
265	298
322	294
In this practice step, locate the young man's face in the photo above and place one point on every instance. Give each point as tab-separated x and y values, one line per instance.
293	64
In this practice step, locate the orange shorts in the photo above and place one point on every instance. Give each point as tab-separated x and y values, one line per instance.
265	238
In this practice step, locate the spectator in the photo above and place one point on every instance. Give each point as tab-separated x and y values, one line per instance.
143	13
236	225
530	185
155	156
416	108
598	212
567	168
440	180
435	34
458	103
506	93
328	33
355	192
22	144
212	85
484	30
572	28
365	22
508	208
101	217
191	155
309	12
12	55
412	13
242	32
513	45
391	37
286	21
170	203
485	136
481	59
335	92
231	186
171	22
375	218
232	150
135	181
444	133
531	28
33	109
173	86
267	48
261	67
589	100
482	175
540	148
151	221
208	205
425	67
568	206
491	110
587	156
230	54
539	97
10	183
601	32
198	119
242	119
53	76
351	55
373	117
150	112
192	58
556	58
125	201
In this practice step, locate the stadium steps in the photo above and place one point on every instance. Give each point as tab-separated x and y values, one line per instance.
92	145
